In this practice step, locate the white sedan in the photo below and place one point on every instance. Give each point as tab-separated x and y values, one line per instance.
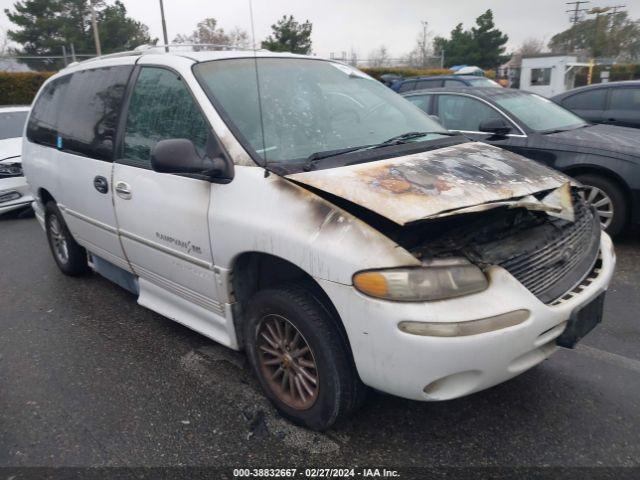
14	193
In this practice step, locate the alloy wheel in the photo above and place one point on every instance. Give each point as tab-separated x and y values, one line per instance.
602	203
58	240
287	362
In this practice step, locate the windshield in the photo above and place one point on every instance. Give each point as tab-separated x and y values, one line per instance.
308	106
483	82
538	113
12	124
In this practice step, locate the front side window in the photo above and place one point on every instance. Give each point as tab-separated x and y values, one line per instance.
625	99
88	118
43	121
457	112
540	76
538	113
12	124
306	106
161	108
591	100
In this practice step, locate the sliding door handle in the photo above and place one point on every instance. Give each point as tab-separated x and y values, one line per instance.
123	190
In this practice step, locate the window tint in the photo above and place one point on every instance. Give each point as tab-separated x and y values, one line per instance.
625	99
591	100
406	86
89	116
540	76
457	112
42	127
161	107
428	84
12	124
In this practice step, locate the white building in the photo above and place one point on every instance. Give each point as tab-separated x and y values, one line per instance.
549	74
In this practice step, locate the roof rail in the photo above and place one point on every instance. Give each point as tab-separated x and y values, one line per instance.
163	48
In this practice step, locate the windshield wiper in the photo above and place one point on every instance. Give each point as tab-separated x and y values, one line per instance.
560	130
314	158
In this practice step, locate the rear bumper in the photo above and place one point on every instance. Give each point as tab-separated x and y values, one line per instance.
14	186
441	368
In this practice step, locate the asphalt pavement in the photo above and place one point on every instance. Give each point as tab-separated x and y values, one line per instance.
90	378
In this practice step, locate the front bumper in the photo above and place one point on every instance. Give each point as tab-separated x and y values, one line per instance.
442	368
14	186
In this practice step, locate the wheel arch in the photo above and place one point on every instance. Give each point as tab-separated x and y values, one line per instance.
44	196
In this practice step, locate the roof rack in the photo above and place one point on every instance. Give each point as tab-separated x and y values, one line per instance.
164	48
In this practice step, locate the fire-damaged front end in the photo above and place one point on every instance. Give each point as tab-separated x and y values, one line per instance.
513	264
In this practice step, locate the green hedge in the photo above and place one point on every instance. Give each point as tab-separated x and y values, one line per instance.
375	72
19	88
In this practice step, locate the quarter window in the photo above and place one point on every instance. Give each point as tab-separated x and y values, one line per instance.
89	114
540	76
42	127
625	99
161	108
591	100
457	112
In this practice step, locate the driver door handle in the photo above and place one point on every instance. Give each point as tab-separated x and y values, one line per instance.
123	190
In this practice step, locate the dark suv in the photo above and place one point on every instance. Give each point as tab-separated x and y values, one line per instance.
421	83
616	103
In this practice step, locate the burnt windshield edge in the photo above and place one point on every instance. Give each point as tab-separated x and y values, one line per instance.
359	156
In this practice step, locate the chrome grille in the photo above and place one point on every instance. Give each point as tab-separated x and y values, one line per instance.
557	267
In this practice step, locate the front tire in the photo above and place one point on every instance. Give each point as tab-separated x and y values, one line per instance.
300	358
608	199
70	257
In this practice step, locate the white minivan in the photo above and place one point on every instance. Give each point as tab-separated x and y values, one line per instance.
298	209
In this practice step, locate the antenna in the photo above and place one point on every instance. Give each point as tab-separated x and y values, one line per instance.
255	61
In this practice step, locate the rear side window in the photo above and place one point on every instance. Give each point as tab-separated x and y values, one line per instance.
42	127
453	83
89	116
421	84
406	86
625	99
420	101
161	108
591	100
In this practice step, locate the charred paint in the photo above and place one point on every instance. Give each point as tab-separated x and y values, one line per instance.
423	185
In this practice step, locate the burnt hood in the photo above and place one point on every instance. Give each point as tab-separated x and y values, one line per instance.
424	185
608	140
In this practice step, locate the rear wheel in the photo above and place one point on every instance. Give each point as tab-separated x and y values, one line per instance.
300	358
608	199
70	257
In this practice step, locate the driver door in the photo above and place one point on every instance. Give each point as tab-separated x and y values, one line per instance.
162	218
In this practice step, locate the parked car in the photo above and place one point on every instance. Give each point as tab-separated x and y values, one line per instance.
605	158
14	194
615	103
422	83
307	223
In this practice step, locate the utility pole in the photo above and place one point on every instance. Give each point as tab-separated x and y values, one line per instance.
575	18
164	28
94	25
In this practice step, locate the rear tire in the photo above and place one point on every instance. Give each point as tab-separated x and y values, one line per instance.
275	319
70	257
609	200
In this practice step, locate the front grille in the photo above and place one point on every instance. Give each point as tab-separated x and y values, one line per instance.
554	268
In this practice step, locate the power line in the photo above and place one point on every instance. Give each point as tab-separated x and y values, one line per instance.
575	18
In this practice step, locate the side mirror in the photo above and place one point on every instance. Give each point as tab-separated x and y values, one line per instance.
497	126
179	155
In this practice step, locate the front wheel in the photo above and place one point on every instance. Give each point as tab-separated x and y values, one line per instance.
70	257
608	200
300	358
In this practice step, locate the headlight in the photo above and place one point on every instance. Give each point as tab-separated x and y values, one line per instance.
10	169
437	281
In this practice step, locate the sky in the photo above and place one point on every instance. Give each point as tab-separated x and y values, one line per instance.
361	25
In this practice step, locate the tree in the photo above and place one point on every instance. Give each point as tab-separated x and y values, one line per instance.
379	57
289	36
531	46
207	31
615	36
419	56
483	45
42	27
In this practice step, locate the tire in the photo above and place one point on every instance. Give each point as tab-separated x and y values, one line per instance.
601	190
70	257
338	390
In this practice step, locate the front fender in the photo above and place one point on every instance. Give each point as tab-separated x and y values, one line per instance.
272	215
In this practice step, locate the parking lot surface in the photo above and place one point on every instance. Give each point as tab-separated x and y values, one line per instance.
89	378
